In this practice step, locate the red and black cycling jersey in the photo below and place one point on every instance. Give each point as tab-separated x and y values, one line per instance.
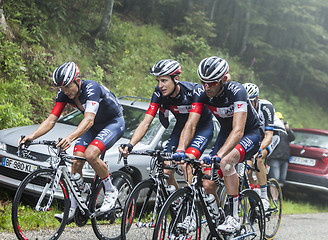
180	105
233	99
94	98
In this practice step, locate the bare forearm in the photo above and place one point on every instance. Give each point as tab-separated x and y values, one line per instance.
82	128
44	127
186	136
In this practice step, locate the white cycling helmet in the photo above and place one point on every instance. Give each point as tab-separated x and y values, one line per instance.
65	74
252	90
165	67
212	69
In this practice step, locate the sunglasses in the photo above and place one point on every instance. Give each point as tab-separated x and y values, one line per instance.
209	84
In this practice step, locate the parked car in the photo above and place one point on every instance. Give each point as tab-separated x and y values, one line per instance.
13	168
308	162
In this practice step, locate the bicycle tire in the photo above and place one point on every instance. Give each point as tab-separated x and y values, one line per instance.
108	226
32	224
274	213
140	210
174	211
251	215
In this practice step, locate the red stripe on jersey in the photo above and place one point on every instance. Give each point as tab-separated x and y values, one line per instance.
197	107
99	145
79	148
241	150
58	108
152	109
194	152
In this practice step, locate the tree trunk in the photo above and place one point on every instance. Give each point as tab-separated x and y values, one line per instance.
3	23
103	28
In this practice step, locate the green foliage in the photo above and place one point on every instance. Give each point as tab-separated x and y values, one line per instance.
50	33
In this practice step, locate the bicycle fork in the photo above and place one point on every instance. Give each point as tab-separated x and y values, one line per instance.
52	193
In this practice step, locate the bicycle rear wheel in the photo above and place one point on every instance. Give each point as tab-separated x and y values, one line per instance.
171	222
251	216
31	217
140	212
107	226
274	213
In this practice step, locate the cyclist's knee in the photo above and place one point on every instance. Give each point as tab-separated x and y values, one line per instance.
209	186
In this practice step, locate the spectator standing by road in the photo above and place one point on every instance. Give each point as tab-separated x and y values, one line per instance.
278	160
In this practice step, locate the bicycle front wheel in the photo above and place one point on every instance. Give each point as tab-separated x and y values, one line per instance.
141	210
179	217
33	208
251	216
107	226
274	213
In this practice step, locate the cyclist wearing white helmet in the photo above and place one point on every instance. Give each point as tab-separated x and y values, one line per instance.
172	95
271	127
239	136
102	125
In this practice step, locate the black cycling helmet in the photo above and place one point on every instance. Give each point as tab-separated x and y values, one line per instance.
165	67
212	69
65	74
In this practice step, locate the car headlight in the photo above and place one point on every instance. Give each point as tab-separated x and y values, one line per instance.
3	146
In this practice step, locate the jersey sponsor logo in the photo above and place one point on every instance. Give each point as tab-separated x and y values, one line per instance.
247	144
104	135
233	88
199	142
157	94
240	106
267	110
197	108
89	89
198	91
223	112
180	109
91	106
152	109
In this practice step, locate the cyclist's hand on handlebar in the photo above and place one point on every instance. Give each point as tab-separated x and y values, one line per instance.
125	149
64	143
179	156
24	139
207	160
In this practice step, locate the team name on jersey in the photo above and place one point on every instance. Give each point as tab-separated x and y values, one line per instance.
233	88
180	109
89	89
198	91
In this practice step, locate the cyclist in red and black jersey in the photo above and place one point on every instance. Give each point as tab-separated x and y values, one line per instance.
239	136
172	95
102	125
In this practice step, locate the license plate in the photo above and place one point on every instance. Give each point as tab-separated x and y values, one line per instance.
302	161
18	165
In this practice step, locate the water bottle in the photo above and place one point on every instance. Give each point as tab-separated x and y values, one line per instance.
215	208
76	177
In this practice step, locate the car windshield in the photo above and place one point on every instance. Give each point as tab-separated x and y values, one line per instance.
132	116
310	140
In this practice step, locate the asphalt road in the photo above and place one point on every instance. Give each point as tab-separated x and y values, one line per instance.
293	227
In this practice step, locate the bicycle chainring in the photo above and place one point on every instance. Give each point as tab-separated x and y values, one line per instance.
80	219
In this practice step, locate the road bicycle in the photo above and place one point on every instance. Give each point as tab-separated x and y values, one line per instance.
147	198
194	213
47	192
273	214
